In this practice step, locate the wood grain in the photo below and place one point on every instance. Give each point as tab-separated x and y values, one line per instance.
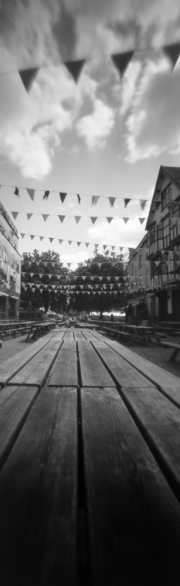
159	419
38	495
64	370
93	372
11	366
36	371
165	380
15	405
133	516
124	373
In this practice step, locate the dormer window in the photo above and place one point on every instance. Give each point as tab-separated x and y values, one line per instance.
166	196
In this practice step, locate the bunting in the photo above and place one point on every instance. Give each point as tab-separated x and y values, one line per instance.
125	220
94	200
93	219
79	199
16	191
109	220
112	201
46	194
77	218
45	216
172	52
75	68
62	195
142	220
31	193
28	76
122	60
29	216
126	201
61	218
143	203
14	214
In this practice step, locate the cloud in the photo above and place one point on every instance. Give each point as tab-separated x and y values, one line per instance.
95	127
153	124
118	233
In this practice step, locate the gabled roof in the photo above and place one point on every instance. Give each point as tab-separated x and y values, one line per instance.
173	174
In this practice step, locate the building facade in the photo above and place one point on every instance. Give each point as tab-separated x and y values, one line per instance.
163	226
139	279
10	268
154	266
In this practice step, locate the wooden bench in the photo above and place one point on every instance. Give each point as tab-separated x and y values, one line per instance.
90	473
176	349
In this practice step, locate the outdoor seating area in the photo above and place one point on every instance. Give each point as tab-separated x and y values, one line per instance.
89	457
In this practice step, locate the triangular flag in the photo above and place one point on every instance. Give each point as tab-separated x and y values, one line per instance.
79	199
142	220
77	218
143	203
75	68
61	218
45	216
93	219
94	200
22	235
29	216
51	239
60	241
31	193
78	243
46	194
69	264
69	242
104	246
173	52
109	220
41	238
28	76
62	195
32	236
122	60
16	191
87	244
112	201
126	201
14	214
125	220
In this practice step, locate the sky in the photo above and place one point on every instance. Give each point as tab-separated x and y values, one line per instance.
106	135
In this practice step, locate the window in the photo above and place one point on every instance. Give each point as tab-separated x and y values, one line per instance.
166	232
140	261
5	256
175	226
166	196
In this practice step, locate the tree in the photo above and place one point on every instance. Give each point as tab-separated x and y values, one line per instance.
44	271
115	293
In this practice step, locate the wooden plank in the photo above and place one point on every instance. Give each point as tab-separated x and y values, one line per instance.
37	370
68	335
93	372
64	371
133	516
164	380
125	374
11	366
79	335
15	405
38	495
159	421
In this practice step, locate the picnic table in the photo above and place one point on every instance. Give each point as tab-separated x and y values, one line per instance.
90	470
12	328
39	328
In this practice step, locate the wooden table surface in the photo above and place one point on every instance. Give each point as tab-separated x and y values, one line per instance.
90	469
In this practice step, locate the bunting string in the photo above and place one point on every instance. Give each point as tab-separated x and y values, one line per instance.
77	218
120	60
94	198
